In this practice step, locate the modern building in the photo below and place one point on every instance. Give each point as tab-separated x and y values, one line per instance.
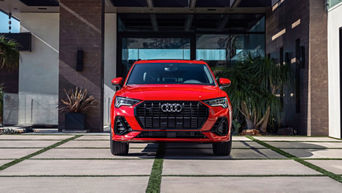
87	43
334	66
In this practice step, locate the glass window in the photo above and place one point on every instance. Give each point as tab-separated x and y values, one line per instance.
221	49
134	49
4	24
170	73
332	3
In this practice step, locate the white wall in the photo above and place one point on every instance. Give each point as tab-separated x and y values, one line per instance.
38	69
109	64
334	24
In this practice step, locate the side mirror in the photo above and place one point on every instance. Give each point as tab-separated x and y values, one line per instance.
117	82
224	82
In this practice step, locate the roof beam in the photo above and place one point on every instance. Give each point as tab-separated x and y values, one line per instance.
192	4
149	3
153	17
218	10
154	22
188	22
235	3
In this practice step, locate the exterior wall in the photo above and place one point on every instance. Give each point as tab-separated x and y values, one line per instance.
276	21
109	64
82	28
38	70
334	25
304	22
318	106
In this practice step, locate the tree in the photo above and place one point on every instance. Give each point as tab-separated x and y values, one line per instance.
9	54
256	81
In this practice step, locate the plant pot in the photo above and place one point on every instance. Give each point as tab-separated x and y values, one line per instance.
74	121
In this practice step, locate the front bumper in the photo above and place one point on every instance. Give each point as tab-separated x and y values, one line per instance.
204	135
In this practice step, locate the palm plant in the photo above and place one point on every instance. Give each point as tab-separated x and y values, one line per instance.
9	54
255	85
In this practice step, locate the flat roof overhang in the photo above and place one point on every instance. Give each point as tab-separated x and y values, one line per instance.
146	6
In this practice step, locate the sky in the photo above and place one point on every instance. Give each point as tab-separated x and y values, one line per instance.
4	24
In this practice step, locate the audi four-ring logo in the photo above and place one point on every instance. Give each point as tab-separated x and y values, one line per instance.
171	108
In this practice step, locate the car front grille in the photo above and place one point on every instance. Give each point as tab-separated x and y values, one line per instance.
192	115
171	134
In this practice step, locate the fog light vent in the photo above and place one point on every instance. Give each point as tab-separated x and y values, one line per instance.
220	127
121	126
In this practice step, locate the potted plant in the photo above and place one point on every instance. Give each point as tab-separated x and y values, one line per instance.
255	92
9	54
75	105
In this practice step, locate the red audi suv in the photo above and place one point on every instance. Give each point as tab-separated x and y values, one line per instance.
171	101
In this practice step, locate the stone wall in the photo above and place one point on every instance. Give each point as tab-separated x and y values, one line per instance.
82	28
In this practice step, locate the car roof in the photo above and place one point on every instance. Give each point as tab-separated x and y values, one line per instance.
170	61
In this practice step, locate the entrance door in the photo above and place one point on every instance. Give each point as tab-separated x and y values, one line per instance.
156	46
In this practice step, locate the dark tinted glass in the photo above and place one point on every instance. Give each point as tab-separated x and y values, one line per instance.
170	73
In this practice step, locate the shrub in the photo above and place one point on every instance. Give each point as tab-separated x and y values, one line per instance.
256	81
77	101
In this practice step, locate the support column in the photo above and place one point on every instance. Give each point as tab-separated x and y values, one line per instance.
82	28
318	116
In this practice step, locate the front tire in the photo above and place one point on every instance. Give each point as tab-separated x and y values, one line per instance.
118	148
223	148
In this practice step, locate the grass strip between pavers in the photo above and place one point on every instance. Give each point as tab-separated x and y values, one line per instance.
9	164
299	160
154	181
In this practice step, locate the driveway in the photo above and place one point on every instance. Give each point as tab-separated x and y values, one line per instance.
83	163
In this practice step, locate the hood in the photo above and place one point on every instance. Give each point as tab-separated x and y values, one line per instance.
171	92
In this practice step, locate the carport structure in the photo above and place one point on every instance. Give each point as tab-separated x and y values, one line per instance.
113	34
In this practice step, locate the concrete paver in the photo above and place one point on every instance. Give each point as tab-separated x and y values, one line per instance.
84	144
34	137
207	153
93	137
254	154
236	144
234	167
334	166
250	184
240	138
315	153
89	155
73	184
100	144
19	144
289	138
80	167
15	153
2	162
95	153
306	145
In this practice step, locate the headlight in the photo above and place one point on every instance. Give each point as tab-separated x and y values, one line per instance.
218	102
121	101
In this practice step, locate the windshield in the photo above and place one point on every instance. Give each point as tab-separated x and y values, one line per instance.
170	73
